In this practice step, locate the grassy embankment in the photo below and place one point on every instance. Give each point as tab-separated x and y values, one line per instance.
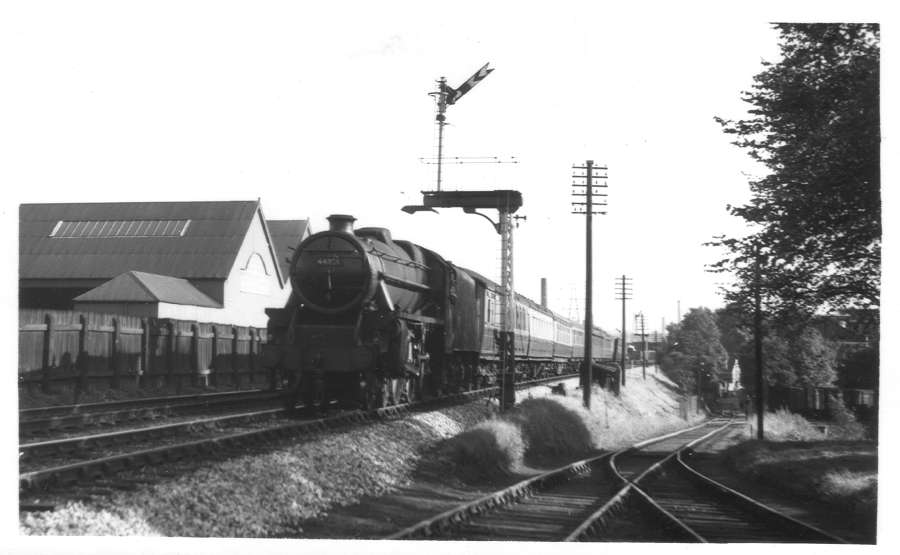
548	431
837	468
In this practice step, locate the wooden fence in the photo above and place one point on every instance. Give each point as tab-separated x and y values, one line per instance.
88	349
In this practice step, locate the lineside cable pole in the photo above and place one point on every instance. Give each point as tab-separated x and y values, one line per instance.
639	324
587	208
757	345
623	293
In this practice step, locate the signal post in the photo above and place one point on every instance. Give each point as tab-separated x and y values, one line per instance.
506	202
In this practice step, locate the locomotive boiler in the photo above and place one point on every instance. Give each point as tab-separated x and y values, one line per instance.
366	316
373	321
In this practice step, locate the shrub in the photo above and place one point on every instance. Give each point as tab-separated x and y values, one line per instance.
489	450
556	428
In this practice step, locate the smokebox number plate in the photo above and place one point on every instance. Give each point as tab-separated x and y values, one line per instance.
329	261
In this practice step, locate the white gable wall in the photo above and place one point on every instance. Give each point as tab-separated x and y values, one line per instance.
253	285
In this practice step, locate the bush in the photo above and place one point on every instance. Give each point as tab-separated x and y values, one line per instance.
489	450
783	425
555	429
844	422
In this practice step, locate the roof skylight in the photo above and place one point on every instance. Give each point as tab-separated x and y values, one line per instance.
96	229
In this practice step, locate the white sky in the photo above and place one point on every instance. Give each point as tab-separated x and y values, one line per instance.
321	108
327	111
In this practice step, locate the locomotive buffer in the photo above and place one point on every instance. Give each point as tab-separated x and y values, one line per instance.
506	202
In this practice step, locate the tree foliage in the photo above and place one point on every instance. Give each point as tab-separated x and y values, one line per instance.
734	330
777	365
694	349
802	358
813	359
856	367
817	212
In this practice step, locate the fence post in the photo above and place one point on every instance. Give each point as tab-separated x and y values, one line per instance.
170	357
195	353
214	355
236	371
114	354
81	363
47	358
144	359
255	338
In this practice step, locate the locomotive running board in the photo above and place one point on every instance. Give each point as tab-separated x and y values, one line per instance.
421	319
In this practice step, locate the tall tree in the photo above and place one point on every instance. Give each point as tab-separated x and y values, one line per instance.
814	359
694	349
817	213
779	369
733	326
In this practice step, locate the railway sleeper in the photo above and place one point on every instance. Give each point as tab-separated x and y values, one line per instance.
767	514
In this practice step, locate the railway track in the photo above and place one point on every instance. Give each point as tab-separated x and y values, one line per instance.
89	460
713	512
547	507
45	421
38	453
602	499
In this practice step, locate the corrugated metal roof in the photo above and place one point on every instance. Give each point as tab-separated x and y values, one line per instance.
207	250
285	236
141	287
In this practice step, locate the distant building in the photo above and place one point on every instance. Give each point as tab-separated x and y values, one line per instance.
207	261
850	327
284	235
735	376
142	294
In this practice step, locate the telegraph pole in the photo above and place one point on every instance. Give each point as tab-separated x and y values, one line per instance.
639	322
587	208
757	346
623	293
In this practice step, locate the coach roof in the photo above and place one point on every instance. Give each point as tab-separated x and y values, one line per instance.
194	240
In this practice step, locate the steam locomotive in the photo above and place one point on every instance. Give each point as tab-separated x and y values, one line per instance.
373	321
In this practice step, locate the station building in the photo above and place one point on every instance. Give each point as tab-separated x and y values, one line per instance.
220	261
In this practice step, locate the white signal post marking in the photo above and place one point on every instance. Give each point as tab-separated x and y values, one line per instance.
471	82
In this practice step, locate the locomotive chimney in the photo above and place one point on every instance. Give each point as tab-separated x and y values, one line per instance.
341	222
544	292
